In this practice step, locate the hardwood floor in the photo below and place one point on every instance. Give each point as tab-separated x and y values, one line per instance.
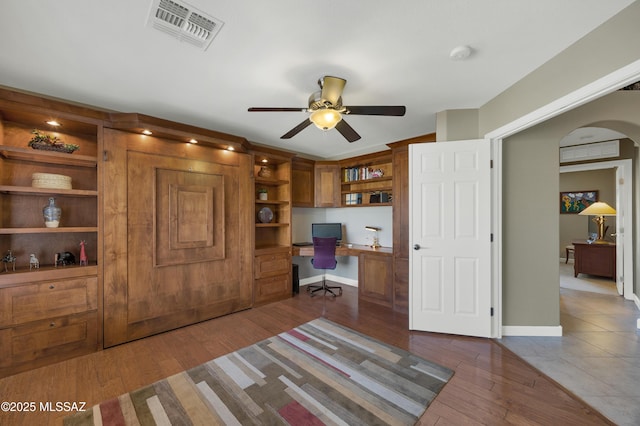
490	385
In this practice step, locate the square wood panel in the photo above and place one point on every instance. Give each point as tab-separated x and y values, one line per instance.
189	221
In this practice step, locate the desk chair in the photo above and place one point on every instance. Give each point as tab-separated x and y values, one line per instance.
324	257
570	249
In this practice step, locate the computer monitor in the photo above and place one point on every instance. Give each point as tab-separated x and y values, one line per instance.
327	230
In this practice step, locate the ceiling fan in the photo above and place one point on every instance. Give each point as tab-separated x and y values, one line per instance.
326	110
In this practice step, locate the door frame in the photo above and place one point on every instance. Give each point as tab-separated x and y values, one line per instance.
624	198
609	83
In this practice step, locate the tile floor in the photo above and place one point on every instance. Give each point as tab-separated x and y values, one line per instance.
598	356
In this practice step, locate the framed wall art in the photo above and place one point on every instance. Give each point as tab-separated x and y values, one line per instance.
575	201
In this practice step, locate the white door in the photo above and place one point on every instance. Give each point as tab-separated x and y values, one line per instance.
450	232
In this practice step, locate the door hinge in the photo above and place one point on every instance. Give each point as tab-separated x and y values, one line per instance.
491	237
491	311
491	164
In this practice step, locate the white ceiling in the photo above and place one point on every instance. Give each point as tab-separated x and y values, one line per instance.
271	53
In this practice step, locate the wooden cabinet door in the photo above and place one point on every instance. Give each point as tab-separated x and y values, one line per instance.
302	183
375	278
327	185
176	235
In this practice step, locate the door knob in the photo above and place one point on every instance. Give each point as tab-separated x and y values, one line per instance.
416	247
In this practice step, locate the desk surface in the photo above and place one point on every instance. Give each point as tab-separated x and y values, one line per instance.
344	250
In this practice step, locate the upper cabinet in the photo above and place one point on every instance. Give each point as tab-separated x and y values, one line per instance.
367	180
355	182
302	182
327	184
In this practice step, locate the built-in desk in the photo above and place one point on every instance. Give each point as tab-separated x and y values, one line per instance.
375	270
344	250
594	259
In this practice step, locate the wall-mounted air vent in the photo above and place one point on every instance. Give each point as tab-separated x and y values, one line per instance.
184	22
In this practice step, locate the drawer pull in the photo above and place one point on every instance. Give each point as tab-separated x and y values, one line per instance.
53	324
52	286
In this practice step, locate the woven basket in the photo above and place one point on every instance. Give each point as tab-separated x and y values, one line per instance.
49	180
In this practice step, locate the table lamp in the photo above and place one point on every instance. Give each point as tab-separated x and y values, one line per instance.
375	243
599	210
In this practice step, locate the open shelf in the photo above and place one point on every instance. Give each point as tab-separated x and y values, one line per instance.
59	230
27	154
10	189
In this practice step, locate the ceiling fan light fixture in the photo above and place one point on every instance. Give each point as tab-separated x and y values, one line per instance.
325	119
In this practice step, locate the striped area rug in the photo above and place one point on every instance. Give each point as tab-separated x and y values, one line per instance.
317	373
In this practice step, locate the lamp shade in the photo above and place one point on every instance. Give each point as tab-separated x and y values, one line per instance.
325	119
599	209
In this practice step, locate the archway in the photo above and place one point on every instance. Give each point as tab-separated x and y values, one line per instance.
611	152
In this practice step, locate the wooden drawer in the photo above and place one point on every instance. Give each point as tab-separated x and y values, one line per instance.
272	288
44	342
270	265
47	299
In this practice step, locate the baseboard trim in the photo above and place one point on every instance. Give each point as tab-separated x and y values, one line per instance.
335	278
525	330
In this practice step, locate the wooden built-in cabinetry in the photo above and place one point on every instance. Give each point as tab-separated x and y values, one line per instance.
48	313
327	184
272	261
401	250
302	182
375	278
164	223
366	180
177	226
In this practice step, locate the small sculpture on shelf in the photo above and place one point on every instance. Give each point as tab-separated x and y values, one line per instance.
34	263
51	214
83	254
265	172
376	173
9	258
64	258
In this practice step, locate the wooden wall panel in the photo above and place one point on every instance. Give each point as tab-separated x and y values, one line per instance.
175	239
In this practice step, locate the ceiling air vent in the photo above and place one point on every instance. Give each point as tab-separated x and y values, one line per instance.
184	22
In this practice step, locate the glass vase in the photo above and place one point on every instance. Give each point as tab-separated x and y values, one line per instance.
51	214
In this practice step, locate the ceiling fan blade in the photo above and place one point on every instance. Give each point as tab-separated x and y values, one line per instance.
377	110
332	88
275	109
347	131
300	127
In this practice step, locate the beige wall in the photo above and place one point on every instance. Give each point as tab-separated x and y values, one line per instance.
530	160
531	241
457	125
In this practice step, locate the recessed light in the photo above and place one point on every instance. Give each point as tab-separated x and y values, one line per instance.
264	160
53	123
193	140
147	132
230	148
